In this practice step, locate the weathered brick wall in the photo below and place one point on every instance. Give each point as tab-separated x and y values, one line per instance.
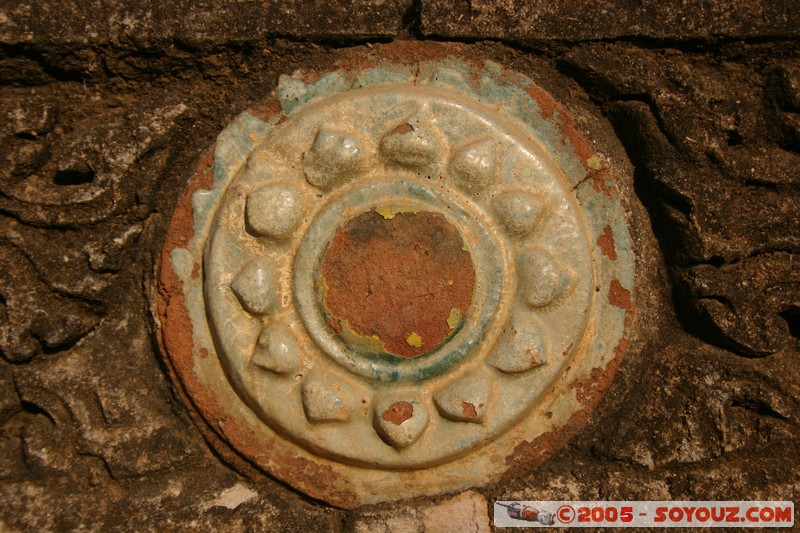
108	106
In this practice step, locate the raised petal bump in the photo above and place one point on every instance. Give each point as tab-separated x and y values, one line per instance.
520	348
541	277
445	77
325	400
254	286
400	422
334	157
474	165
519	212
465	400
411	144
274	211
277	350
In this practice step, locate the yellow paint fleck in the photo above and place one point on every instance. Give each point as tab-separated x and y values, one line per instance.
450	281
454	318
386	212
594	163
414	340
389	212
369	344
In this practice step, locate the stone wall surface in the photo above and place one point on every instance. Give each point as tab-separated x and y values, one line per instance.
108	107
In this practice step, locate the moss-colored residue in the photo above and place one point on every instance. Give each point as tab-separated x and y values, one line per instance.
594	163
368	344
454	318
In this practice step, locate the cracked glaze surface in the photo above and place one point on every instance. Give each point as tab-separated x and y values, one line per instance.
477	157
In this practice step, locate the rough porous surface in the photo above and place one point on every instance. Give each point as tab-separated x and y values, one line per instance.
107	108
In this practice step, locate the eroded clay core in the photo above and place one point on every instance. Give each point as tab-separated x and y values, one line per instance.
396	282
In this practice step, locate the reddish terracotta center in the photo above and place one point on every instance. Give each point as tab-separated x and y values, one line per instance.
396	282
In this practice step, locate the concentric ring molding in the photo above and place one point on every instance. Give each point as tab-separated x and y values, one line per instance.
241	314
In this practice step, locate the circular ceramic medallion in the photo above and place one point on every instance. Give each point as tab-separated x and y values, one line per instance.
396	274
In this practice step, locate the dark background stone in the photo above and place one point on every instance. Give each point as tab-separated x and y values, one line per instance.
574	20
108	106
